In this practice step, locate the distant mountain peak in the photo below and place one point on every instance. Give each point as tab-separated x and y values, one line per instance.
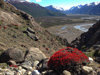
56	8
91	8
59	8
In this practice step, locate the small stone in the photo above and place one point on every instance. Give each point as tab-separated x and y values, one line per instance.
11	62
9	73
90	59
4	70
87	70
17	73
35	72
2	74
27	67
19	68
35	64
97	59
23	71
65	72
34	68
31	30
29	73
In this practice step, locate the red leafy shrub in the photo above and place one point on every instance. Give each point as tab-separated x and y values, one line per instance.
16	24
2	20
13	66
5	27
67	59
47	48
0	27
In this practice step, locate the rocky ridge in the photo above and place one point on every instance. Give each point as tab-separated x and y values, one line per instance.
89	38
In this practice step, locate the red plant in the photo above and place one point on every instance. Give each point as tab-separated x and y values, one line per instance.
13	66
47	48
52	43
5	27
35	29
2	20
0	27
67	59
43	41
16	24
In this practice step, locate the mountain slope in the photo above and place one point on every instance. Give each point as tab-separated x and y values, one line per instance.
89	38
19	29
34	9
92	9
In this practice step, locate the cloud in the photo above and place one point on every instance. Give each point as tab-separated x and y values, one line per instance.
38	0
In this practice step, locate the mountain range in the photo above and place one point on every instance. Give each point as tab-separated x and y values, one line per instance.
91	9
33	9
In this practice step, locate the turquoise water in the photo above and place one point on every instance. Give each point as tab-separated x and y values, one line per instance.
81	28
64	28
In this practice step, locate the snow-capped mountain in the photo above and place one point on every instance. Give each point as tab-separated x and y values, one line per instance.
76	7
58	8
54	8
91	8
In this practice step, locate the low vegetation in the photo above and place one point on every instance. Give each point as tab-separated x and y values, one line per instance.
55	21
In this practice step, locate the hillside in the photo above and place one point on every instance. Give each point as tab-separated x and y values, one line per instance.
19	29
91	9
34	9
90	38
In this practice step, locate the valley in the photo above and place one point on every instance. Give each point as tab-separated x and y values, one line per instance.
68	27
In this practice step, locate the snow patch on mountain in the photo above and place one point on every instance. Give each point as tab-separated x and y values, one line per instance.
58	8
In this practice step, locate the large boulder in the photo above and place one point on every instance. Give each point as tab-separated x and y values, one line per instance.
70	59
34	54
12	54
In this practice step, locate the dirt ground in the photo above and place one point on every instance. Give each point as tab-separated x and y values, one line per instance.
67	31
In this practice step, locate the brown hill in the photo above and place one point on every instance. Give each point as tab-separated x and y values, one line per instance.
90	38
19	29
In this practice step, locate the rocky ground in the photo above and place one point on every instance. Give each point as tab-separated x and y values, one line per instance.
34	62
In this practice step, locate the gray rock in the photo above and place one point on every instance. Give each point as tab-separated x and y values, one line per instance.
27	67
27	62
32	36
87	70
34	54
11	62
35	72
9	73
96	47
35	64
19	67
2	73
12	54
97	59
4	70
42	66
22	71
65	72
17	73
31	30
